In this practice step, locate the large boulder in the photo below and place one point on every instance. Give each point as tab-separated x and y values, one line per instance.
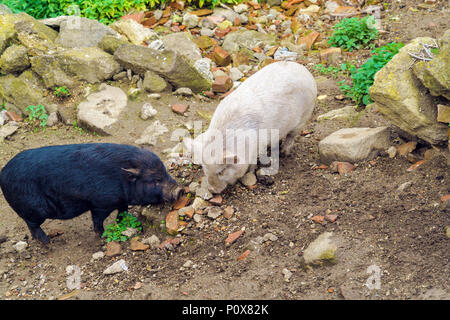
101	110
111	43
402	98
87	64
168	64
244	38
79	32
22	91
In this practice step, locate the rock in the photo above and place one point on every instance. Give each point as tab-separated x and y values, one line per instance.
52	119
404	186
214	212
190	20
341	167
87	64
236	74
228	212
197	218
14	59
133	93
20	246
249	179
3	117
406	148
285	55
401	98
129	232
116	267
172	222
188	264
79	32
226	14
232	237
153	241
136	245
113	249
204	67
193	186
187	211
168	64
347	113
4	9
135	32
221	57
8	130
222	84
330	55
204	193
185	92
216	201
183	44
447	231
151	133
180	203
287	274
236	40
25	23
147	111
199	204
320	250
392	152
23	91
443	113
353	144
154	83
101	110
98	255
111	43
180	108
240	8
270	237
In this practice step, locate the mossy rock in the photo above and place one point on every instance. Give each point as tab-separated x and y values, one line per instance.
14	59
110	44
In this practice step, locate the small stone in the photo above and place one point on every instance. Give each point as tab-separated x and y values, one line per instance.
214	212
228	212
147	111
136	245
232	237
180	108
318	219
287	274
172	224
153	241
129	232
183	91
13	116
415	165
244	255
217	200
443	114
187	211
341	167
330	55
240	8
221	57
116	267
113	248
199	204
204	193
98	255
197	218
270	236
406	148
447	231
190	20
392	152
181	203
20	246
404	186
331	217
52	119
320	250
249	179
236	74
222	84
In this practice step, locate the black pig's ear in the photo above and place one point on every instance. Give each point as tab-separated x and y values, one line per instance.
132	173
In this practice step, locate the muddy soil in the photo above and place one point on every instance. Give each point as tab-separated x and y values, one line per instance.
400	234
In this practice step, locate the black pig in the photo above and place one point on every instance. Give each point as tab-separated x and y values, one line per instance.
62	182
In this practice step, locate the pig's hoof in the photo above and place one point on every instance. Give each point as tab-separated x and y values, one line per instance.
41	236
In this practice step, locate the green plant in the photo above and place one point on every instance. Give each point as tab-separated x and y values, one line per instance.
61	91
344	68
37	113
362	78
113	231
354	33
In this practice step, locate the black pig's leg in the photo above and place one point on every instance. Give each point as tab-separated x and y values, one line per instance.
36	231
98	216
119	211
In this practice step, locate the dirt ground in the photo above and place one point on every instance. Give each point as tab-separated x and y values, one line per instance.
403	233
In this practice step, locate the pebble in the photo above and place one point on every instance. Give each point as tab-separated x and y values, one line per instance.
392	152
320	250
116	267
214	212
155	96
20	246
228	212
404	186
129	232
270	236
153	241
287	274
249	179
197	218
199	203
186	92
98	255
188	264
147	111
113	249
